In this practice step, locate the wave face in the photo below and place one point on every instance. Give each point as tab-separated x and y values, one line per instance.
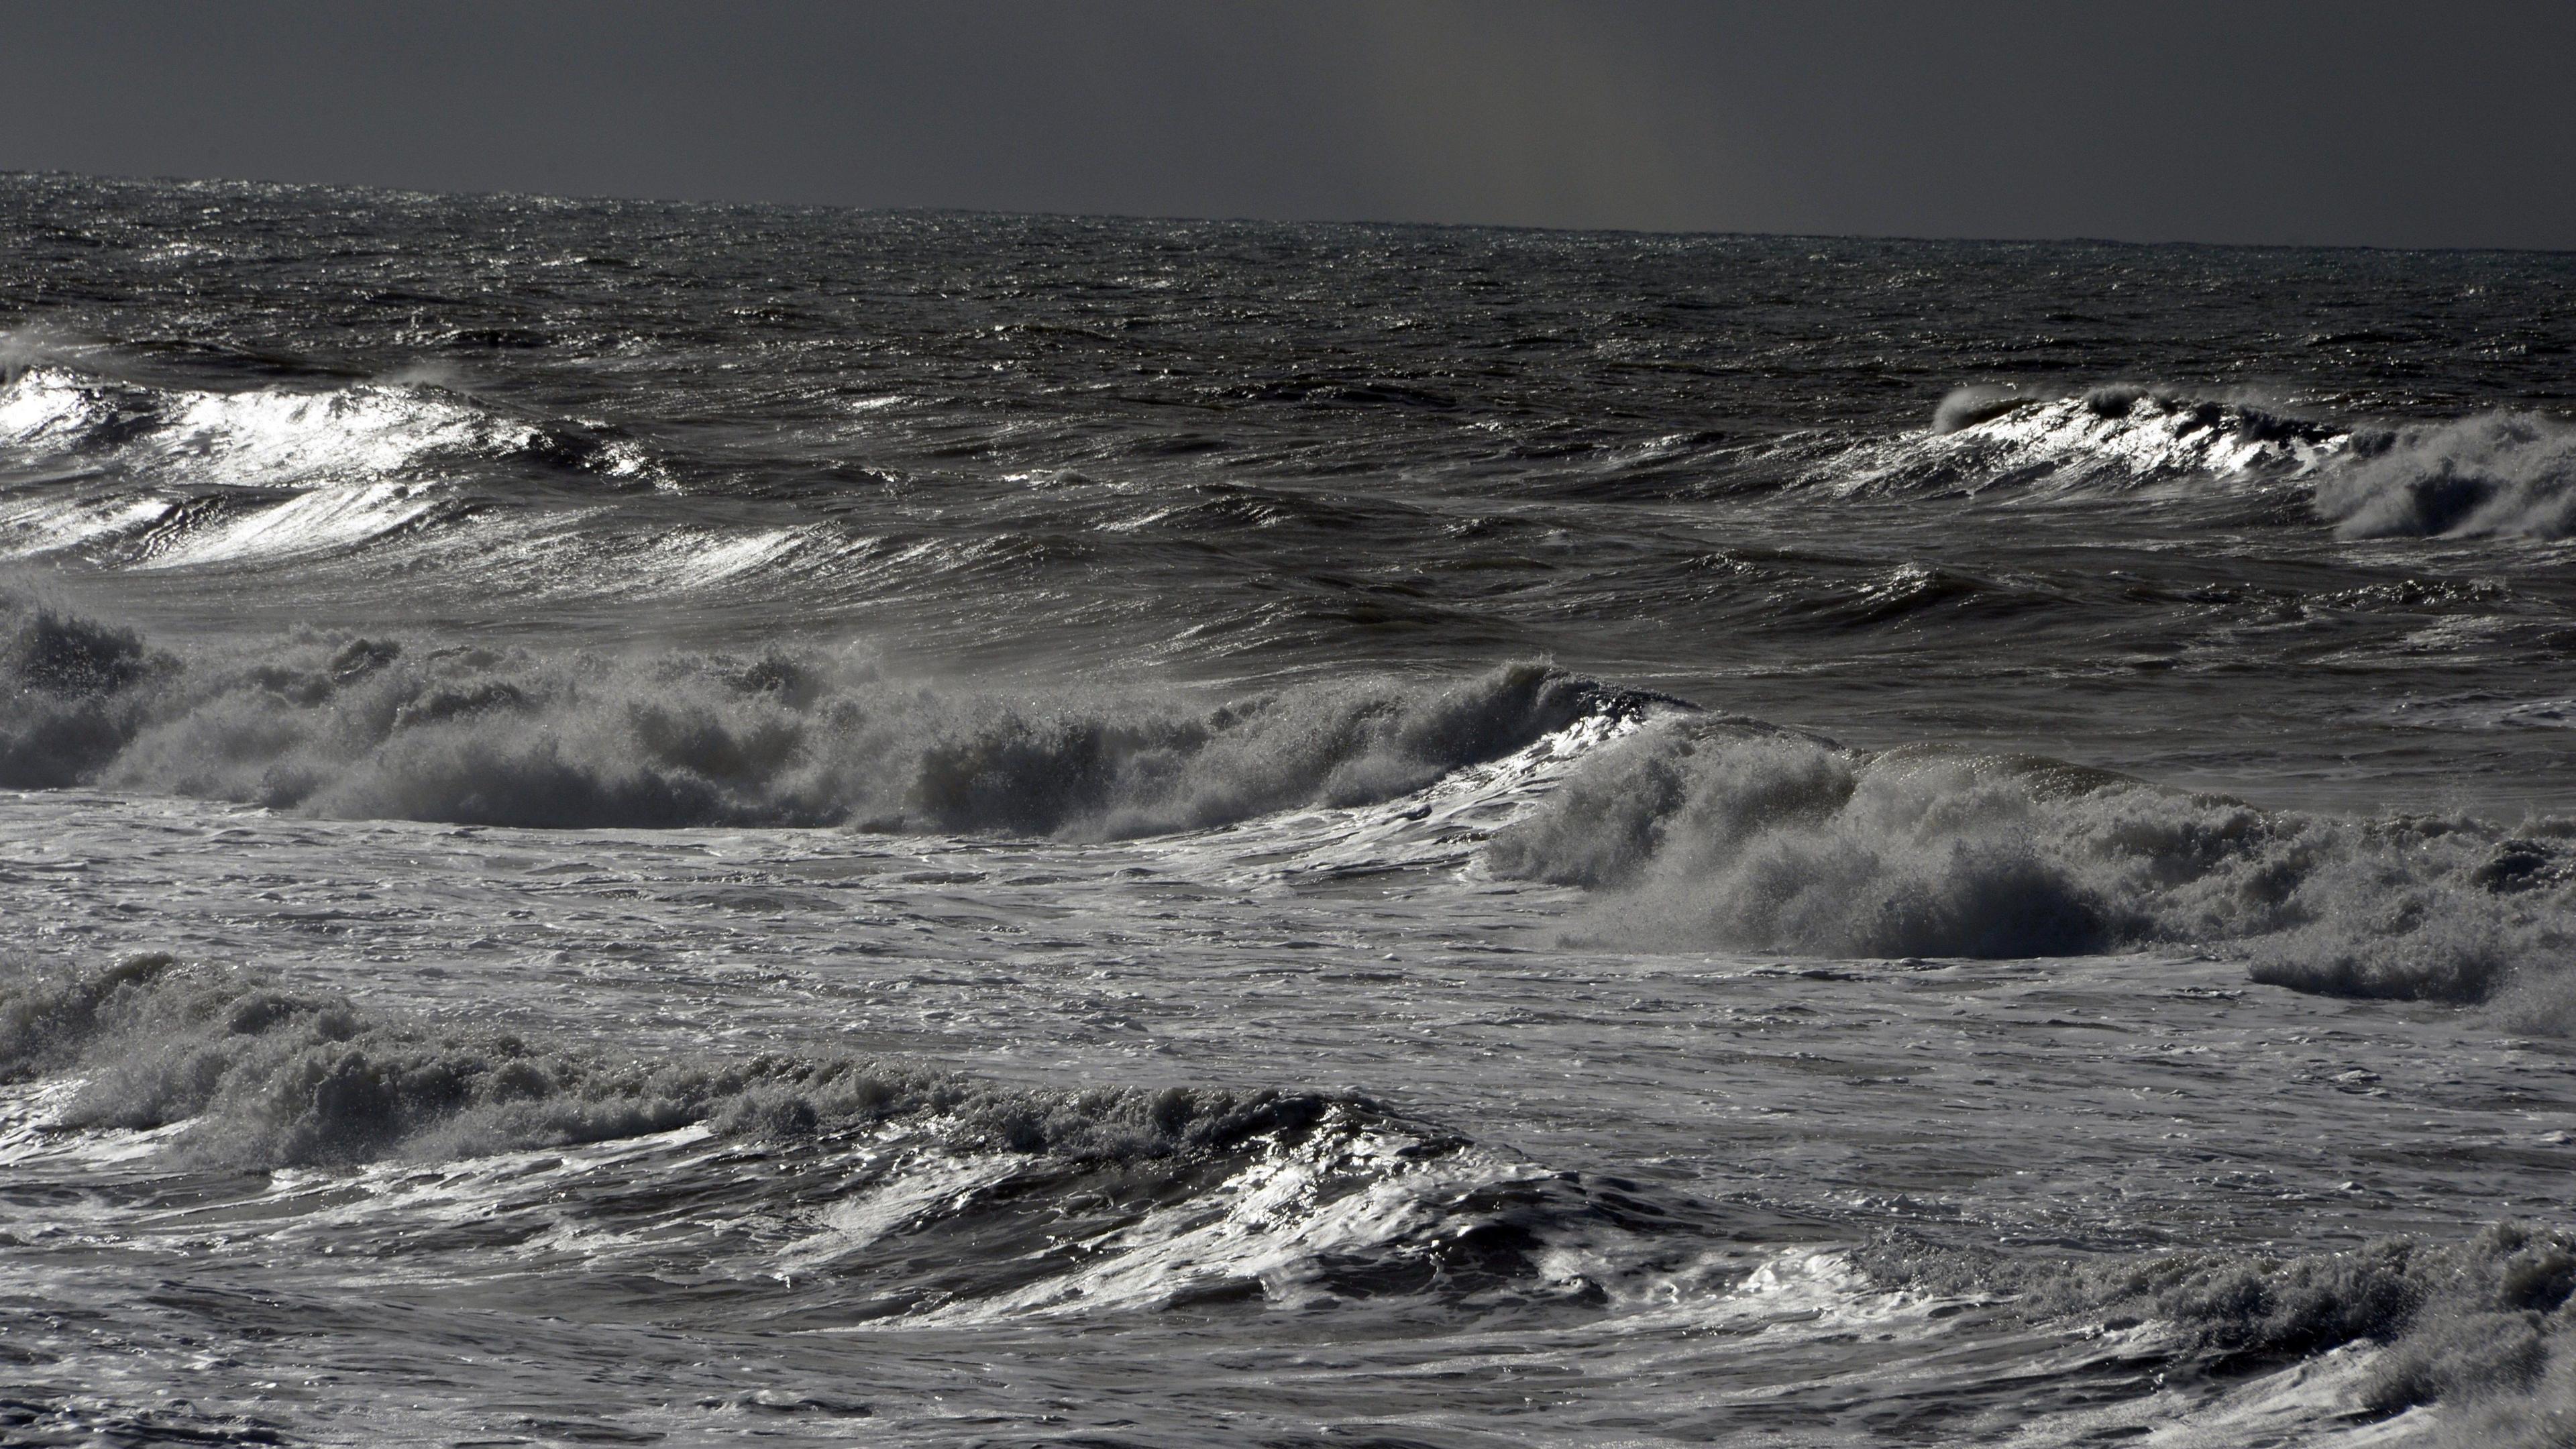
359	727
141	476
1714	834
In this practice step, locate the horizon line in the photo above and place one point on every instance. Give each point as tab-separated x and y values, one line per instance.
861	208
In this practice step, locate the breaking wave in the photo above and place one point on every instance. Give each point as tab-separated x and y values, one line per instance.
165	477
2494	475
375	728
263	438
2119	435
2497	474
1718	833
910	1190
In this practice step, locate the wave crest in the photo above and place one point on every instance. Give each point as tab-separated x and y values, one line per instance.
2120	435
169	476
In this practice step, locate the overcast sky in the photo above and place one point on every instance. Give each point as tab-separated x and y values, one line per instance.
2394	124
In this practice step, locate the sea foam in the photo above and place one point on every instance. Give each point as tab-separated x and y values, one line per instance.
272	1076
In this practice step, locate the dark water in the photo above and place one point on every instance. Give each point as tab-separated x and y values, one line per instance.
928	828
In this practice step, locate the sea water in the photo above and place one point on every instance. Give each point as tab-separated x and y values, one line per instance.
635	823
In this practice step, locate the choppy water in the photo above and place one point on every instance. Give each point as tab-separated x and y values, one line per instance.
632	823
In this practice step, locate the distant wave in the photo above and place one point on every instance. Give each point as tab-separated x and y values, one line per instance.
1707	832
2497	474
2120	435
374	728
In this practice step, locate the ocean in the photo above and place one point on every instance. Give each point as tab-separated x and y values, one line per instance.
646	823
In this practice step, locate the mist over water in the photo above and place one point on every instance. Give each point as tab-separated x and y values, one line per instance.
654	823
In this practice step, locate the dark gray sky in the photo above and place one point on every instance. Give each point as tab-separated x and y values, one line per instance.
2396	124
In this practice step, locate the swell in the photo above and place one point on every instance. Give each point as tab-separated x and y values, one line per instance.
1702	832
377	728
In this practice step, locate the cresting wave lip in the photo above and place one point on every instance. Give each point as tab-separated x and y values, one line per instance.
357	727
1712	833
157	476
262	438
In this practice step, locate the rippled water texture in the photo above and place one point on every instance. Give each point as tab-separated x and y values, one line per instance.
634	823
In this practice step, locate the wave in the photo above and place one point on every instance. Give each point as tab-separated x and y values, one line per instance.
2119	435
2485	1327
36	527
355	727
909	1190
271	1077
164	531
164	477
872	1191
2493	475
313	521
2511	474
1710	832
264	437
